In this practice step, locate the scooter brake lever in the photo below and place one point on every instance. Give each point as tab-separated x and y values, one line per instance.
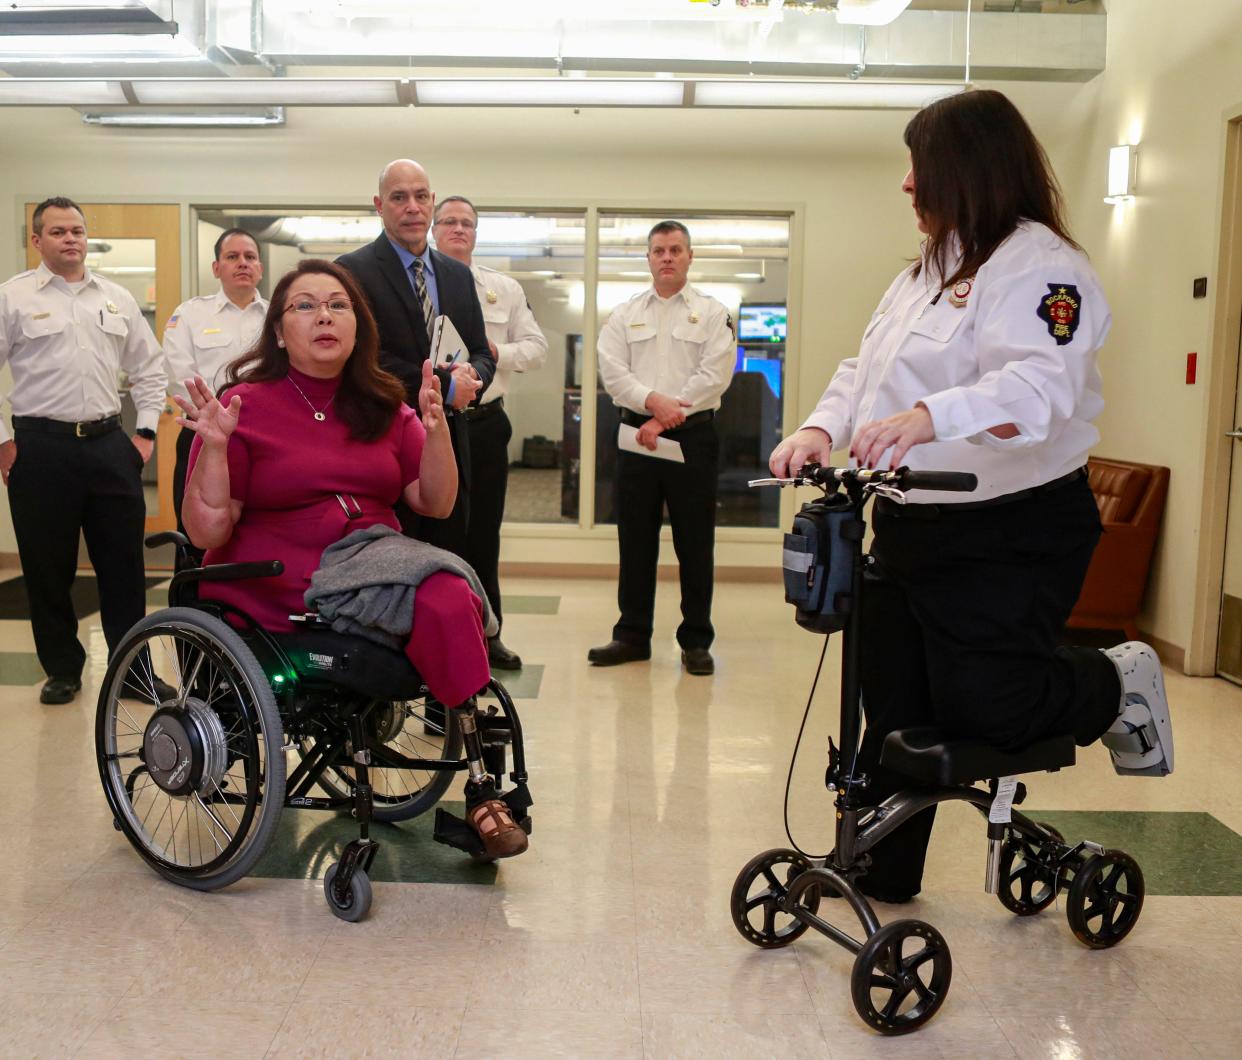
891	493
774	482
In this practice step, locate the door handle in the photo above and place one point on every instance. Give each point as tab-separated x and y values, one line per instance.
1234	434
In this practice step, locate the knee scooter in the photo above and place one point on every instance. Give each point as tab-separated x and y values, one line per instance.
902	970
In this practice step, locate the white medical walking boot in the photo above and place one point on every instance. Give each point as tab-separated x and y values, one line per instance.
1141	739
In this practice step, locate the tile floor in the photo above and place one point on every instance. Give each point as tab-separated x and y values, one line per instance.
611	937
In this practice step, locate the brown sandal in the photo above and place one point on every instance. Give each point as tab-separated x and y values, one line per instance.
502	836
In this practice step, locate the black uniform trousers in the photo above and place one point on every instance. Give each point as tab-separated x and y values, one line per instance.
961	624
61	486
185	440
490	431
644	486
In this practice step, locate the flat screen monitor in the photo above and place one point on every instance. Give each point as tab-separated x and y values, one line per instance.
762	322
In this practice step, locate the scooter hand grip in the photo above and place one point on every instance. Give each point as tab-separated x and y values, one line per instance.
950	481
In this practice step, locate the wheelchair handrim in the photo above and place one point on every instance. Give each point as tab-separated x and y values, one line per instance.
214	816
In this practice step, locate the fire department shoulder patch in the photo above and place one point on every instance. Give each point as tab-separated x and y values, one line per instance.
1061	311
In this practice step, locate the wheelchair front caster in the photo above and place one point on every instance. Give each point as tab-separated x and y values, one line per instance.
1029	873
901	976
757	912
355	904
1105	899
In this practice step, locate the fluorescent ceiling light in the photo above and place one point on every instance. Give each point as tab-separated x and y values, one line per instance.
869	12
41	92
550	92
157	119
268	91
862	94
77	48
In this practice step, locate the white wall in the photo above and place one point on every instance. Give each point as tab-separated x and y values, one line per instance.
1172	72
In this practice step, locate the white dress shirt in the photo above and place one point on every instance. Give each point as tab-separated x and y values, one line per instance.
206	334
680	346
1016	344
520	345
67	345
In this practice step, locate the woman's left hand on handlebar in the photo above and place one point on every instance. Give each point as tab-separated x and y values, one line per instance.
430	402
899	433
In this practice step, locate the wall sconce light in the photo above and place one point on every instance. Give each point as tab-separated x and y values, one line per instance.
1122	168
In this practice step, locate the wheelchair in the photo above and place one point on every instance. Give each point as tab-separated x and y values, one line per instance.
202	712
902	970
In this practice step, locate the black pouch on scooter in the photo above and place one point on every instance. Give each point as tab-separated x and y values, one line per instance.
817	563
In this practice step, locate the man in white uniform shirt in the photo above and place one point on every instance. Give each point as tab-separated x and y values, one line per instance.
67	334
666	356
517	345
206	334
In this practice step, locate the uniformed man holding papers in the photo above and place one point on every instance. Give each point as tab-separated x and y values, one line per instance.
665	357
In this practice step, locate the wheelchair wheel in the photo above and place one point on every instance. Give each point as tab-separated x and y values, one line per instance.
357	903
415	729
757	893
1027	885
1105	899
195	781
901	976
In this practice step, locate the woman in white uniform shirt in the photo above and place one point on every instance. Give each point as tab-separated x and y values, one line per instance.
982	357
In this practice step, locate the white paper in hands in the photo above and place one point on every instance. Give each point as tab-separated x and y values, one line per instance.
447	347
666	448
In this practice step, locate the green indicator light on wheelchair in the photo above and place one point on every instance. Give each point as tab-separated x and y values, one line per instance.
279	679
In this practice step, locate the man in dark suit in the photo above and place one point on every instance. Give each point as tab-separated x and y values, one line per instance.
408	285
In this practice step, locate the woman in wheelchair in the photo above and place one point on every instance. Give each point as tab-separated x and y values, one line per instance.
310	441
981	357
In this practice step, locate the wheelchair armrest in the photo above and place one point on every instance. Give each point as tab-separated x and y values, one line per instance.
167	537
228	572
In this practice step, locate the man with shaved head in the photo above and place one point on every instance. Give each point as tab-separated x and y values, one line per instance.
408	285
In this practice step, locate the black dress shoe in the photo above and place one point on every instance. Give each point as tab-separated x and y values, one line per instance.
164	692
501	658
698	661
616	652
59	690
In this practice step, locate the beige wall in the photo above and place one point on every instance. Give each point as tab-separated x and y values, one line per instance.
1172	73
1168	81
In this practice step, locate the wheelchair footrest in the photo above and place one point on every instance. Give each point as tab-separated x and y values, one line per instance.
452	831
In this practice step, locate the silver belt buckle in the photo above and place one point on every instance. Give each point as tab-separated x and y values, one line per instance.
77	430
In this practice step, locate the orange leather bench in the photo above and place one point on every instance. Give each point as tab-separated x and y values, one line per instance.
1131	499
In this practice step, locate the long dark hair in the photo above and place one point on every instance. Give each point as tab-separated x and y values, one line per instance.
978	172
368	397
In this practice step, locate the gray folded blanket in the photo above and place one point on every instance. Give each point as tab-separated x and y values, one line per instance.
366	583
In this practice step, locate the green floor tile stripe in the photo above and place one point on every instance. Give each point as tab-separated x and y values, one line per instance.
307	842
1180	853
523	683
20	668
531	605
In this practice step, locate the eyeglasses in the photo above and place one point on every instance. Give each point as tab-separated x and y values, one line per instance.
337	306
457	222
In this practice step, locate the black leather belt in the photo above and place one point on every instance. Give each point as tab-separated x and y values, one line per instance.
86	429
481	412
934	511
637	419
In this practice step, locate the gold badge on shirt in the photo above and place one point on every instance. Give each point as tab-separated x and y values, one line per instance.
694	318
491	297
112	308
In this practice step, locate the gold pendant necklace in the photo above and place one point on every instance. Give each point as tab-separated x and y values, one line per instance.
319	413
